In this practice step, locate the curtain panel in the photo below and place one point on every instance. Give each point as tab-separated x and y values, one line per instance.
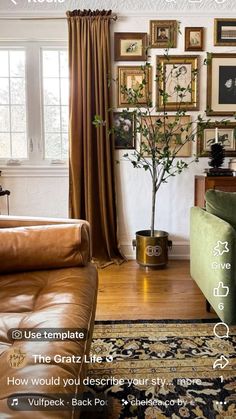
91	161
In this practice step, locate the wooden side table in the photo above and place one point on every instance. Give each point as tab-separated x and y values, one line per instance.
203	183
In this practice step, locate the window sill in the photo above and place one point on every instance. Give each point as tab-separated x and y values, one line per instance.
34	171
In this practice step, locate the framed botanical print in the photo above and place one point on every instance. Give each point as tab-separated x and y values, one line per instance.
225	32
179	133
221	84
178	83
124	130
163	33
130	80
130	46
226	136
194	39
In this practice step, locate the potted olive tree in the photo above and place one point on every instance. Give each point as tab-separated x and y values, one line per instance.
161	140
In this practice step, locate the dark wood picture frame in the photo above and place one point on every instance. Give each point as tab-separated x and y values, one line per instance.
168	37
229	39
211	126
217	69
125	40
199	45
124	130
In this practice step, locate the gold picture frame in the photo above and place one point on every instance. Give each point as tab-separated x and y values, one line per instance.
132	77
130	46
206	137
221	88
186	149
194	39
163	33
225	32
179	70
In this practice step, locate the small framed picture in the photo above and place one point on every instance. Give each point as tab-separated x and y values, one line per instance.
131	78
130	46
194	39
221	84
226	136
178	144
180	82
225	32
163	33
124	130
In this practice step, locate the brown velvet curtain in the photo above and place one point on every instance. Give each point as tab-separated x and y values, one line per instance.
91	165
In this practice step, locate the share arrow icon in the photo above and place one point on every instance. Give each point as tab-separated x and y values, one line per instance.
221	363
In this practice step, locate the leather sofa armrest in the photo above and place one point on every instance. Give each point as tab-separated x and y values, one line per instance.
44	247
7	221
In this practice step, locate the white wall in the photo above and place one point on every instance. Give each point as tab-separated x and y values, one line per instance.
45	193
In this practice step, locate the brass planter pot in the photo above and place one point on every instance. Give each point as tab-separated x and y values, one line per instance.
152	252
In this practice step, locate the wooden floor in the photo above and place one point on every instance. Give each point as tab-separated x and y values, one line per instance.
128	292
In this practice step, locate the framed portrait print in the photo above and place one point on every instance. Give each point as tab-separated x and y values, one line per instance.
194	39
124	132
221	84
179	80
225	32
179	134
130	46
163	33
131	77
226	135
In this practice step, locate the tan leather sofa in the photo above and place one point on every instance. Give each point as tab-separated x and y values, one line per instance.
46	281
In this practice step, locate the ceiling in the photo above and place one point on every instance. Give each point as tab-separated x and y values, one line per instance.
122	6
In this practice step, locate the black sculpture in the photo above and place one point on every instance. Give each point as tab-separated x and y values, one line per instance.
217	155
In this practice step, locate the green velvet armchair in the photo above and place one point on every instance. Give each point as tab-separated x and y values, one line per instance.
213	252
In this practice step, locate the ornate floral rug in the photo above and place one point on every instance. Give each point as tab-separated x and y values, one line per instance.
163	369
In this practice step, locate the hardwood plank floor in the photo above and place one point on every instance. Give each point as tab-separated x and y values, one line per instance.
128	292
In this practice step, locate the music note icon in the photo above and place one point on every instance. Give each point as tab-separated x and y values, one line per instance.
14	402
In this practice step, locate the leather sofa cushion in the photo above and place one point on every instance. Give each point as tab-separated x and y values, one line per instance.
44	247
63	298
222	205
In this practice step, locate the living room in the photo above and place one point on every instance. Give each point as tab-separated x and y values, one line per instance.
122	115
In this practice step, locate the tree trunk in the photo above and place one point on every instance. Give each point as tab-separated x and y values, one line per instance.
154	191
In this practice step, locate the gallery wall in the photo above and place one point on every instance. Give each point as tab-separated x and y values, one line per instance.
44	192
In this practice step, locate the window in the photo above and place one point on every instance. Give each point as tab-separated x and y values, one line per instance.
34	104
13	132
55	100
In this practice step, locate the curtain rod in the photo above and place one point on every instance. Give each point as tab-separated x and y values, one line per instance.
113	17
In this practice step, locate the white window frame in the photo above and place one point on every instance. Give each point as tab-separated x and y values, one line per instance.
34	104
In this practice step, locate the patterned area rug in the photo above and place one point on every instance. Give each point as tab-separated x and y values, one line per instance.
167	368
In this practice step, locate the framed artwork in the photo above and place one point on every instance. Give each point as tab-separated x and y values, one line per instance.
225	32
221	84
124	130
194	39
179	134
180	72
130	46
163	33
132	77
226	134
